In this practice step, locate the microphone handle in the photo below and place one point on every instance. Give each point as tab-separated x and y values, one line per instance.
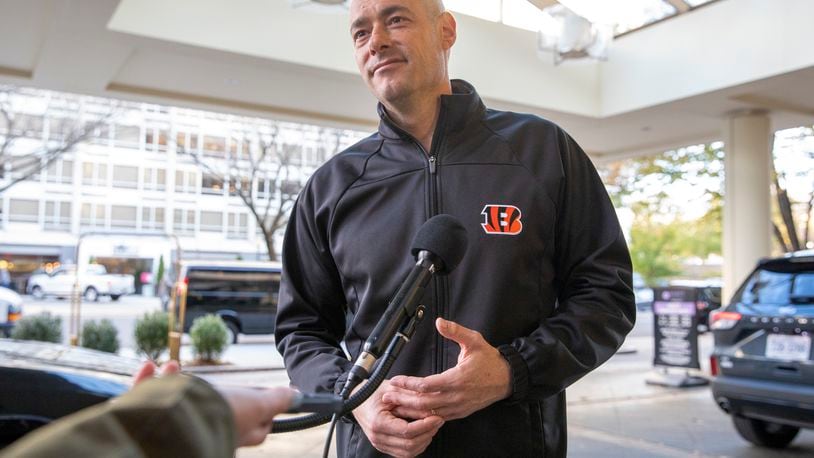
402	306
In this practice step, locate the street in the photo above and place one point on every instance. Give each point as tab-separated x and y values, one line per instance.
611	412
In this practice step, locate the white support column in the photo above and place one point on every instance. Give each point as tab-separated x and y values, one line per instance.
747	224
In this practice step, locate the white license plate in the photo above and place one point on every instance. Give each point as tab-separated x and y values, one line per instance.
791	348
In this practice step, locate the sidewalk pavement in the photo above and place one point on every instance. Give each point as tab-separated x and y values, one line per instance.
612	412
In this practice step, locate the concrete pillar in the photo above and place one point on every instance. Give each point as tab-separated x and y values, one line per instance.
747	224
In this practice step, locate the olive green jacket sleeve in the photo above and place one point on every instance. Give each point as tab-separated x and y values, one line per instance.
176	416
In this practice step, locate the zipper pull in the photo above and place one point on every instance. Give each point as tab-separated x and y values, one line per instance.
432	165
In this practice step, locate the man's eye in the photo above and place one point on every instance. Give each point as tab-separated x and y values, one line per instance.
396	20
359	34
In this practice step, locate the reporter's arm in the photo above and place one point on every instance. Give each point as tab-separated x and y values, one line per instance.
171	416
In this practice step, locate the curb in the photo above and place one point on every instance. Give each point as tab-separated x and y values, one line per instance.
228	369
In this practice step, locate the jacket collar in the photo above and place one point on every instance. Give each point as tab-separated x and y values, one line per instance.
457	110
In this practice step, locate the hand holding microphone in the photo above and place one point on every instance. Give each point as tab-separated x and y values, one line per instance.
438	246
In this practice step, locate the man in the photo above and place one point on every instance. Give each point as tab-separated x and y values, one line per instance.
541	298
172	416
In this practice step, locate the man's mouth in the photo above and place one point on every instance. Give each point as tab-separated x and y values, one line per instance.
385	64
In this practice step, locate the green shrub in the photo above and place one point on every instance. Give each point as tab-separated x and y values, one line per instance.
102	336
209	337
43	327
152	334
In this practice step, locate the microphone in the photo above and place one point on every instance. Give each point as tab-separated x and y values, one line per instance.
438	246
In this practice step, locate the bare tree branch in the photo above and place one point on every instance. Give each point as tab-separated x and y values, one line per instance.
780	239
34	161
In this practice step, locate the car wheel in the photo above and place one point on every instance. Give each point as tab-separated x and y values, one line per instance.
37	293
91	295
231	331
764	433
115	297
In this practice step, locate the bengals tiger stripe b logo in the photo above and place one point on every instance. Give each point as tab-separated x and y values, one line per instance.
501	219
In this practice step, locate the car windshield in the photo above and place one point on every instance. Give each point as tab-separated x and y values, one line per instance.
767	291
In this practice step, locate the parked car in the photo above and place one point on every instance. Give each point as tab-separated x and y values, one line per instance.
642	293
243	294
94	282
42	382
11	309
708	298
762	361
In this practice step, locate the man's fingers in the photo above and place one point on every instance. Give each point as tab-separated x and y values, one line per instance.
422	403
147	370
431	384
400	438
461	335
278	400
170	367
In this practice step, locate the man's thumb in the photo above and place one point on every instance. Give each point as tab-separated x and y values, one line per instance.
463	336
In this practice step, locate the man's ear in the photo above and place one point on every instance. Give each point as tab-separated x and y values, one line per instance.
449	30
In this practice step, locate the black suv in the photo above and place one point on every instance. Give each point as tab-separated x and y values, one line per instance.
242	293
762	362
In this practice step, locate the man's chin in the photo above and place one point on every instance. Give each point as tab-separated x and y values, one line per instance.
390	92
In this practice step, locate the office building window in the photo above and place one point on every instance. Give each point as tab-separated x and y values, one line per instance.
93	215
94	174
126	136
23	210
184	221
155	139
101	134
57	216
211	184
238	226
152	219
239	148
125	176
155	179
236	184
211	221
59	171
186	182
27	125
214	146
59	128
187	142
264	188
123	216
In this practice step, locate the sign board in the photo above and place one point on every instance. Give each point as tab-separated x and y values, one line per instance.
675	320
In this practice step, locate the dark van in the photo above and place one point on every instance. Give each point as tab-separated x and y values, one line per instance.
244	294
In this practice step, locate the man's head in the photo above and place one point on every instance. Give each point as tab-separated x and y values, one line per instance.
402	47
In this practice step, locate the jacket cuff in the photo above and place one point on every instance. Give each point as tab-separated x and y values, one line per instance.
519	373
338	385
340	382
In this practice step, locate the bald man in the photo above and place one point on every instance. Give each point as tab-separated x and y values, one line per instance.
542	297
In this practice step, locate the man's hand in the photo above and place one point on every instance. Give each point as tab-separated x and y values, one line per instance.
147	371
390	434
481	377
253	409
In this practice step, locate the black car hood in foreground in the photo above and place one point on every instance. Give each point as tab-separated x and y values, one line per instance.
40	382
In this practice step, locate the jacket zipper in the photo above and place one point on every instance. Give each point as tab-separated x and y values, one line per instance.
440	287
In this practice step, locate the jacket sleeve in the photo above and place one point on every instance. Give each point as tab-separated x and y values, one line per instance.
312	306
170	416
595	306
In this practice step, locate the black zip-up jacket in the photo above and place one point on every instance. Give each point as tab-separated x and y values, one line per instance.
546	278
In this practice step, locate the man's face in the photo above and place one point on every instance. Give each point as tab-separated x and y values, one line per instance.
401	46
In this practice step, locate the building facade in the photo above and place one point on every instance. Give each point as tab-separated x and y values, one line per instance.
147	179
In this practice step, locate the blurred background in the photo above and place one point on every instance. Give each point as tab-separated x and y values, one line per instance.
146	143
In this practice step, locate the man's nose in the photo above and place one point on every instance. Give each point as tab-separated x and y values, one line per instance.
379	40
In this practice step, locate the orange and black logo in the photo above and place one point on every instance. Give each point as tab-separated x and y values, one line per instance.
502	219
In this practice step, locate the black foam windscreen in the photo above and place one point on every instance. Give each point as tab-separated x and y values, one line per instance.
445	237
